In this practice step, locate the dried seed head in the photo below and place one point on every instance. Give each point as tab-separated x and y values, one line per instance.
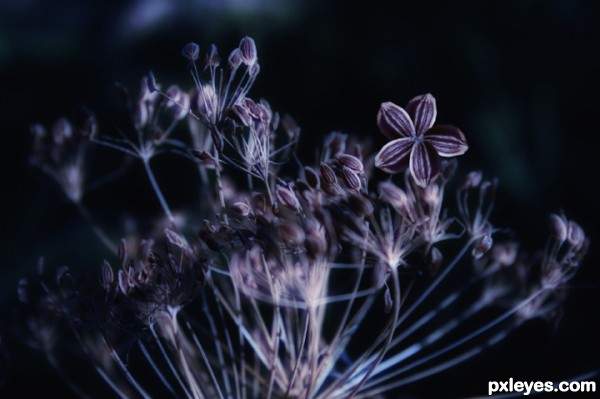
190	51
287	197
174	238
213	59
235	59
312	178
481	246
327	174
576	235
106	275
351	162
560	227
351	178
242	209
333	189
473	179
248	51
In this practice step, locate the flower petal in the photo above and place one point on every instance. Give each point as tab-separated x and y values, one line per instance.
424	163
423	111
447	140
393	157
394	122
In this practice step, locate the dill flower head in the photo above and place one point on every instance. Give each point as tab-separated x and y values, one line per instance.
321	278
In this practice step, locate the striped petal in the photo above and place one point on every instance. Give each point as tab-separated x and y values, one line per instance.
423	111
447	140
394	122
424	164
394	156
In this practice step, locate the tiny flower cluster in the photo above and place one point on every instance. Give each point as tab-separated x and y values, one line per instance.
271	293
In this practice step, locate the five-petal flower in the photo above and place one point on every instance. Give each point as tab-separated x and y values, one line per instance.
416	143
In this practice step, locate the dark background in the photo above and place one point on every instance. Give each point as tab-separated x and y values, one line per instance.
519	77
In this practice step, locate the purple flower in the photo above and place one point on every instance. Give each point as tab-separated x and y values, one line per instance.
416	143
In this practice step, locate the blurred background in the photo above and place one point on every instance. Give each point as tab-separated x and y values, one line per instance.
520	77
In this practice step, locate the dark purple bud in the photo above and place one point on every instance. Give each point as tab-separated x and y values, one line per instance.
351	162
472	180
560	227
576	235
106	275
242	209
190	51
174	238
333	189
387	299
481	246
235	59
248	51
312	178
123	282
327	174
212	57
351	179
122	251
287	197
151	82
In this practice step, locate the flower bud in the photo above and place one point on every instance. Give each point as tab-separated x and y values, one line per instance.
190	51
327	174
287	197
351	162
106	275
248	51
559	226
481	246
351	178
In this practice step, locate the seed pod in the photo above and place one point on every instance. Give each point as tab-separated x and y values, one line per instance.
235	59
351	162
481	246
174	238
351	178
333	189
388	302
242	209
212	57
106	275
472	180
312	178
287	197
559	225
576	235
327	174
248	51
190	51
